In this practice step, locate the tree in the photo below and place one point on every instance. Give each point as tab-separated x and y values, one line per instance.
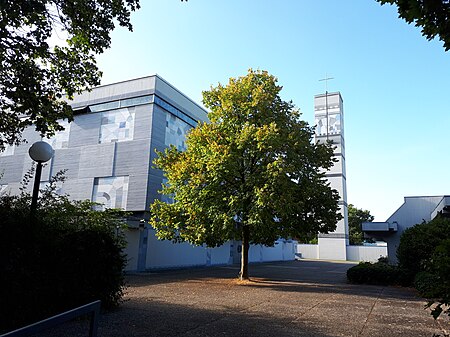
34	76
432	15
252	174
356	217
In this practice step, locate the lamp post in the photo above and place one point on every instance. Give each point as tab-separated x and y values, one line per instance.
40	152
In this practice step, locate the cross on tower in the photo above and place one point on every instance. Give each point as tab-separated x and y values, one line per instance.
326	79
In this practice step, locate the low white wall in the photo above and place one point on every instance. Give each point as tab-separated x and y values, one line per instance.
165	254
305	251
365	253
283	250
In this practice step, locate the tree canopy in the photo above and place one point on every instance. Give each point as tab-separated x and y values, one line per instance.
356	217
35	76
433	16
252	174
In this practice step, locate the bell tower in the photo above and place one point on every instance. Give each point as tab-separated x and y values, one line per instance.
329	120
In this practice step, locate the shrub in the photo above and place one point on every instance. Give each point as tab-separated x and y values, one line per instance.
434	283
65	256
418	243
378	273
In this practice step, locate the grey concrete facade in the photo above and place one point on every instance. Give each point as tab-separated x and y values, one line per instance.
108	149
413	211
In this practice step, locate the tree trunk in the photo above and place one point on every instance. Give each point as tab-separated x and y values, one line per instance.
243	275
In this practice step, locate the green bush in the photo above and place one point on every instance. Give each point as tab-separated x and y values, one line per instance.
417	244
65	256
378	273
434	283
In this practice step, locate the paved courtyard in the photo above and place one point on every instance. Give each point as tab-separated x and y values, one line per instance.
298	298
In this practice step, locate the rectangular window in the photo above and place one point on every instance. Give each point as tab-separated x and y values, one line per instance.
104	106
116	126
111	192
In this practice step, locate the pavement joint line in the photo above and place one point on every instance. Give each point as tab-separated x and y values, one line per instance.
309	309
243	310
370	312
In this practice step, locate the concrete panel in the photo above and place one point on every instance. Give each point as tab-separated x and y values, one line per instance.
31	136
79	189
165	254
305	251
274	253
85	130
67	159
137	193
11	168
97	160
221	255
154	185
332	249
132	158
143	121
365	253
255	253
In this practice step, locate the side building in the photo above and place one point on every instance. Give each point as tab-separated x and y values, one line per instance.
108	151
413	211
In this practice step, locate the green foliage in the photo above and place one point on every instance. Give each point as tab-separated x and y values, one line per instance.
434	283
418	243
425	251
65	256
253	169
432	16
34	76
379	273
356	217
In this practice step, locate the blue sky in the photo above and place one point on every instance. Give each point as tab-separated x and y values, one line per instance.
395	84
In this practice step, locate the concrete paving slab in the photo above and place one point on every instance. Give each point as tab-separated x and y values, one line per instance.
297	298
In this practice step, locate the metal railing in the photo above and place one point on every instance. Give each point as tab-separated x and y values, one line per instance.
91	308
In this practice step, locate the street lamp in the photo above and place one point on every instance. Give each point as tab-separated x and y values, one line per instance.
40	152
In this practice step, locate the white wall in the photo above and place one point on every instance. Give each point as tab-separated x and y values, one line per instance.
165	254
305	251
365	253
354	253
283	250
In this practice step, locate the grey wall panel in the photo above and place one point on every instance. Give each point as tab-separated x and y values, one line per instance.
79	189
158	129
85	130
143	121
158	143
154	185
132	157
13	188
31	136
137	193
11	168
67	159
96	160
